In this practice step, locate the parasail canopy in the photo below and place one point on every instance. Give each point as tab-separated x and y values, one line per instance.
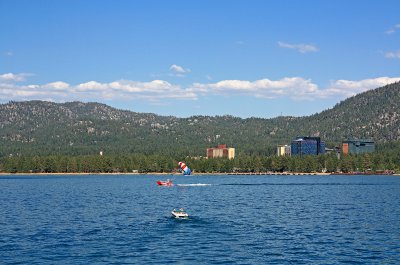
185	169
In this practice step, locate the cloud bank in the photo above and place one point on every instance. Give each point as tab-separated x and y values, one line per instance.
152	91
348	88
156	91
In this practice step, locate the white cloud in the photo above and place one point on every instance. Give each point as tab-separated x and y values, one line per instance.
91	86
59	85
13	91
390	31
178	70
393	55
155	90
393	29
302	48
293	87
14	77
348	88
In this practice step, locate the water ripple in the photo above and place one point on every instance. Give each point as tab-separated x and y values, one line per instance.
233	220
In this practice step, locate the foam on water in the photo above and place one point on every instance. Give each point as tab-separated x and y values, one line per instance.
194	185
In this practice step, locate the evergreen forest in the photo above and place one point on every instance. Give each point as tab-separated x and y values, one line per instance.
40	136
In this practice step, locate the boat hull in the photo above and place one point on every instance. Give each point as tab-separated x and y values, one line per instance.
165	183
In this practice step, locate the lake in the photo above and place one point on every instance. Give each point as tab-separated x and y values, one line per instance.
126	219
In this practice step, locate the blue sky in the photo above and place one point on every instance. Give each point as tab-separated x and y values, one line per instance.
184	58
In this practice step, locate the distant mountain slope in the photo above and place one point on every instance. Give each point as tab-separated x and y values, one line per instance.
39	127
372	114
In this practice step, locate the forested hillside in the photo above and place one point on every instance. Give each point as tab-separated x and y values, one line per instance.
372	114
75	128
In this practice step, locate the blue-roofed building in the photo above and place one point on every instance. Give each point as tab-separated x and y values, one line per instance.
307	146
358	146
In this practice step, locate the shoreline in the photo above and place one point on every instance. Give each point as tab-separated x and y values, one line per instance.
195	174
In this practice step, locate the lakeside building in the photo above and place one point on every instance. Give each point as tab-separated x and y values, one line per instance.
283	150
358	146
336	150
307	146
221	151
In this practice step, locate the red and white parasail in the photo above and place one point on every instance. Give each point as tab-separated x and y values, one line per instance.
186	170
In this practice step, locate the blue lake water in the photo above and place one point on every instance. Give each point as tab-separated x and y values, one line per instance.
122	219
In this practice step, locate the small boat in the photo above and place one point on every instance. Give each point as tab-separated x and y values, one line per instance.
165	183
179	213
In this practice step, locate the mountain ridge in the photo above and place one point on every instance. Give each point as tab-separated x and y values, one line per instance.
72	128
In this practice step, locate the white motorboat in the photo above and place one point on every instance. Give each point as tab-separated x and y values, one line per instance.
179	213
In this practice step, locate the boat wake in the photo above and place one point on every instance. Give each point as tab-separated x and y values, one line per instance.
272	184
194	185
303	184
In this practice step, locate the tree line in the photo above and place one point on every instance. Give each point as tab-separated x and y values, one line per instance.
371	162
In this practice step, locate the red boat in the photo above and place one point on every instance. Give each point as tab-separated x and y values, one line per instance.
165	183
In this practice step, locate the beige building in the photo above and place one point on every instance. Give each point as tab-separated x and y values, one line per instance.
283	150
221	151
